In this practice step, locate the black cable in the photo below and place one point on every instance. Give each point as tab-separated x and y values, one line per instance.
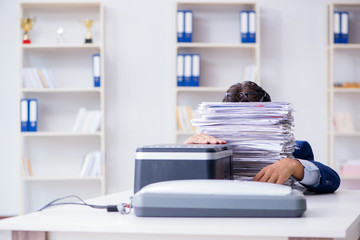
122	208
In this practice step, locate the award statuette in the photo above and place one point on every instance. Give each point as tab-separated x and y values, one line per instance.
26	25
88	24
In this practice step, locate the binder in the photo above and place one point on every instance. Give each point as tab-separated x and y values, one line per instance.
180	70
188	26
244	31
24	115
344	29
195	76
252	27
187	69
337	33
33	112
180	26
96	69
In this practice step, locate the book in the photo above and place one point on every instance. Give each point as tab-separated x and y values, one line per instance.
252	27
185	114
343	122
188	28
336	28
33	114
91	165
96	67
24	115
80	119
180	70
195	70
187	69
249	73
180	26
344	27
244	26
87	121
28	168
350	167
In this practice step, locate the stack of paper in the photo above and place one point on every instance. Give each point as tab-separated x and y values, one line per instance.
259	133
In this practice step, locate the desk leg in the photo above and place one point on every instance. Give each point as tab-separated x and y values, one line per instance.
28	235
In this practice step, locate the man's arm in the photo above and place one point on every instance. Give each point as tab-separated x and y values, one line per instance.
280	171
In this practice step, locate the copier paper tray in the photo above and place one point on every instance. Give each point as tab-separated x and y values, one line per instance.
218	198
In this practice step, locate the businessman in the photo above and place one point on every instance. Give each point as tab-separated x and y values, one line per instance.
315	176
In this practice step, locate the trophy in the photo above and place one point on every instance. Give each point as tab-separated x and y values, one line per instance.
88	24
27	24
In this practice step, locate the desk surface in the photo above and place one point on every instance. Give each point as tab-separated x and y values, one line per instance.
328	216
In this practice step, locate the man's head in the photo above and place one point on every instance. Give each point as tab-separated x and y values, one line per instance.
246	91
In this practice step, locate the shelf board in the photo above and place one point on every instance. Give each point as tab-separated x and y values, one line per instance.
58	4
59	134
61	178
60	90
345	46
217	45
60	46
346	90
347	134
350	177
201	89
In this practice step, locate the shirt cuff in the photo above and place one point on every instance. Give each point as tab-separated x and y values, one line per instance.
311	173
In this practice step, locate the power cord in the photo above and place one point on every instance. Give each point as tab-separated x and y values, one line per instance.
123	208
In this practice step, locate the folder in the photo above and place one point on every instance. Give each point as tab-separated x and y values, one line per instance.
187	70
252	27
180	70
96	69
195	76
344	29
188	26
24	115
337	38
244	31
180	26
33	111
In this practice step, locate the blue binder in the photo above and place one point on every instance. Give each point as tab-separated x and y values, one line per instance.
187	69
244	27
337	32
180	70
344	27
195	74
252	26
188	25
24	115
180	26
33	114
96	66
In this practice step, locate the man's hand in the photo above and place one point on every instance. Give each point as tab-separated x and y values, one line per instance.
203	139
280	171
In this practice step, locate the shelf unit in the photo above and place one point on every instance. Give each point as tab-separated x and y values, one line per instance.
216	37
56	152
342	66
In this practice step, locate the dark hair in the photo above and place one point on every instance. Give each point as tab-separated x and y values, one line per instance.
246	91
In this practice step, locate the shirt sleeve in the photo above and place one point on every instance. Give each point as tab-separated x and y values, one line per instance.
311	173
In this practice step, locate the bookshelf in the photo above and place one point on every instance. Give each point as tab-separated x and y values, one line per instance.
55	151
343	89
216	37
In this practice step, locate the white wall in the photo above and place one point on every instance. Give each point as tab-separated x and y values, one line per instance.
139	64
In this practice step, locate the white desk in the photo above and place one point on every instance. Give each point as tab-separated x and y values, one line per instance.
328	216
